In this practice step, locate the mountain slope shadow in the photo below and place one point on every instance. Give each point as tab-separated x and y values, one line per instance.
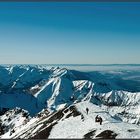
90	134
53	120
107	134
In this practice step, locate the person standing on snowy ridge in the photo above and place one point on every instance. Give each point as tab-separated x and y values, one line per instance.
87	110
96	118
99	119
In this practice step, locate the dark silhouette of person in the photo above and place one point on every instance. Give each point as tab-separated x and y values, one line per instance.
97	118
100	120
87	110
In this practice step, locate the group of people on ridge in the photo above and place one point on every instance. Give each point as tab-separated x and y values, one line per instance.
97	118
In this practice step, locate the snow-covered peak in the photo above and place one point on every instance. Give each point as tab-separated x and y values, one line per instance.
57	98
75	122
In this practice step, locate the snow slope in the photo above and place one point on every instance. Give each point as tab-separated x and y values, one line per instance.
74	127
55	99
67	123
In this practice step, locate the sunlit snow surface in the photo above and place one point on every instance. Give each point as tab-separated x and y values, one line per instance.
74	127
111	91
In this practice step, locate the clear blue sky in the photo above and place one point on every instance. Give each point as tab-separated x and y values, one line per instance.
75	33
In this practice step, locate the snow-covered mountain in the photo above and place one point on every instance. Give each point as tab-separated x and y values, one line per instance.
41	102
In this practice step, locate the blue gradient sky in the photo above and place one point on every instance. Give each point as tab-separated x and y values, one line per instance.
70	33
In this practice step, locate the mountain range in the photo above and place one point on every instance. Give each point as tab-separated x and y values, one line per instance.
43	102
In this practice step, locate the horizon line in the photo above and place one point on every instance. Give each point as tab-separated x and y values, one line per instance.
71	64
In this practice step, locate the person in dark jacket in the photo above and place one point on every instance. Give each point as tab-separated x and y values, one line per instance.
99	119
87	110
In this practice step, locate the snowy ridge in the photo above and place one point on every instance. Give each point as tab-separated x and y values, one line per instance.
57	97
50	88
89	124
61	124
